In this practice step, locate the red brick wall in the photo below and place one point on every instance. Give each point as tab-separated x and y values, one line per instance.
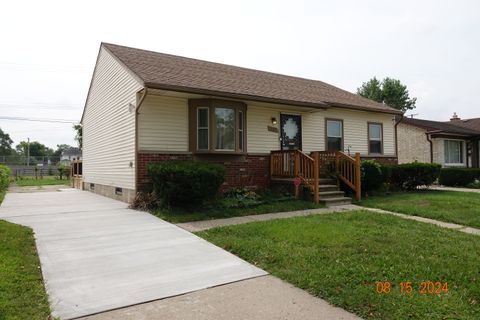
383	160
251	171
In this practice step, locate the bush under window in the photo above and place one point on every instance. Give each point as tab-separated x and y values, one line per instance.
409	176
372	176
458	177
185	183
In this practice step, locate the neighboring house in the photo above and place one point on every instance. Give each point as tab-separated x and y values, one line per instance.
145	106
70	154
452	144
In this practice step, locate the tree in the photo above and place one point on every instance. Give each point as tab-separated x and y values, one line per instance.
37	149
78	134
60	148
5	144
390	91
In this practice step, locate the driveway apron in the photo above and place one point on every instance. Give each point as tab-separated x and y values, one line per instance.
98	255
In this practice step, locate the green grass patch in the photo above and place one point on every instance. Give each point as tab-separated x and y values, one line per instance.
341	257
45	181
218	210
449	206
22	294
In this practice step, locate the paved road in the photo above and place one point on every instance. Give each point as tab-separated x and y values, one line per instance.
98	255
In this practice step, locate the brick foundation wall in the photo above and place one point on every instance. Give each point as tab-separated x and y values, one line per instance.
382	160
249	171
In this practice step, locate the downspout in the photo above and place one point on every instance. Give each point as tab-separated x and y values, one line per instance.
429	139
137	112
396	134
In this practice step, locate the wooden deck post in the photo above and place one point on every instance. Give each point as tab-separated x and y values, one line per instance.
358	177
316	170
296	171
337	168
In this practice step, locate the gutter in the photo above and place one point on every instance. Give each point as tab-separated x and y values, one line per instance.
429	139
396	133
137	109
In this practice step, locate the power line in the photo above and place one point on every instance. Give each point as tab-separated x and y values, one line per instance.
39	106
39	120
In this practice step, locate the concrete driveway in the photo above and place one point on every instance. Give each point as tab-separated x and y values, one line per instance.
98	255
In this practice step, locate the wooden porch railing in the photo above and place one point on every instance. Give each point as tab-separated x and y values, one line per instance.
76	168
296	164
348	171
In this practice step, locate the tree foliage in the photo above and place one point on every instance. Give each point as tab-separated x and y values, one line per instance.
60	149
389	91
37	149
5	144
78	134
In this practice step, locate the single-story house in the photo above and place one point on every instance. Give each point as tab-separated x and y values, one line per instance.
70	154
454	143
145	106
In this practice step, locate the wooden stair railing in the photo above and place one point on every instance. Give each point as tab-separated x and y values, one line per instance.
296	164
348	171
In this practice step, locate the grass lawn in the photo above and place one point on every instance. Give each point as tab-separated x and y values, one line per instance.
22	294
176	215
450	206
46	181
341	257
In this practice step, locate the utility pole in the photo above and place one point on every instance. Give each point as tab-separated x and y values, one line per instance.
28	152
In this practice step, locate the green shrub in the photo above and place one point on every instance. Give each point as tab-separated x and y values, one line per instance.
185	183
372	176
408	176
4	177
458	177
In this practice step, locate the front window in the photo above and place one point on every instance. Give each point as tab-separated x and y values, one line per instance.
202	129
334	135
375	138
225	129
453	152
217	126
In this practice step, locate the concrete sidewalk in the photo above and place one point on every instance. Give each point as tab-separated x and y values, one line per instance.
261	298
98	255
442	188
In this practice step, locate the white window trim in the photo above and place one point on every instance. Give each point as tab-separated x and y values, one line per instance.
207	127
464	154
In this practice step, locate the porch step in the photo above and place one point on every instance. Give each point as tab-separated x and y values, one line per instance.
331	194
330	202
327	187
327	181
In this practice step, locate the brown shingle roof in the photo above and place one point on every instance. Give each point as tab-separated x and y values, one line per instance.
444	127
473	123
164	71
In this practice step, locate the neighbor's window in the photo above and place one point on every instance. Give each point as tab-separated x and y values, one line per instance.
375	138
453	152
218	126
334	135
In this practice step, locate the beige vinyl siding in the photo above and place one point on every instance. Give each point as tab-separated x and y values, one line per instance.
109	126
260	140
163	124
412	144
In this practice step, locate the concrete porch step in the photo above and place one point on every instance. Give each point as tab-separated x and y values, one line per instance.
337	201
327	181
327	187
331	194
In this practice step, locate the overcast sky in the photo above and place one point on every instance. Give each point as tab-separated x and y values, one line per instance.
48	48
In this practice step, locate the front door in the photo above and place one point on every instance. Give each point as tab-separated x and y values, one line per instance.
290	132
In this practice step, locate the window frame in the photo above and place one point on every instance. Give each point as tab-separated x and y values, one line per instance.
198	128
462	153
240	109
369	139
326	133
